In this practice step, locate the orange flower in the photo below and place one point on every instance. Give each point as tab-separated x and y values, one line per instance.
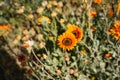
118	6
97	1
111	12
93	29
4	29
78	33
116	30
25	46
92	14
108	55
45	56
67	41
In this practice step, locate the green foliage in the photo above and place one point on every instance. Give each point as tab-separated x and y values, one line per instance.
46	60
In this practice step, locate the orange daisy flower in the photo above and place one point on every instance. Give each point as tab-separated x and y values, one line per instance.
97	1
108	55
4	29
25	46
116	30
78	33
92	14
111	12
93	29
67	41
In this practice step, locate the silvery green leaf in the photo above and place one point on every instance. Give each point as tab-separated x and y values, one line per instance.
55	61
102	65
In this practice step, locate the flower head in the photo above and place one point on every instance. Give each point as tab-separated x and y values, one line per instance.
97	1
25	46
115	31
67	41
108	55
59	72
62	20
54	14
71	71
111	12
39	10
60	4
43	20
31	43
30	16
22	57
21	10
28	45
76	31
93	29
92	14
42	45
4	29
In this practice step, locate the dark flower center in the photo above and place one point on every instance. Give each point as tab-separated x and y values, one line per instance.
67	41
22	58
76	33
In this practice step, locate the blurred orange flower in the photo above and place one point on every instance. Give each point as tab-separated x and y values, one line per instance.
78	33
97	1
115	31
93	29
108	55
4	29
28	44
111	12
92	14
25	45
